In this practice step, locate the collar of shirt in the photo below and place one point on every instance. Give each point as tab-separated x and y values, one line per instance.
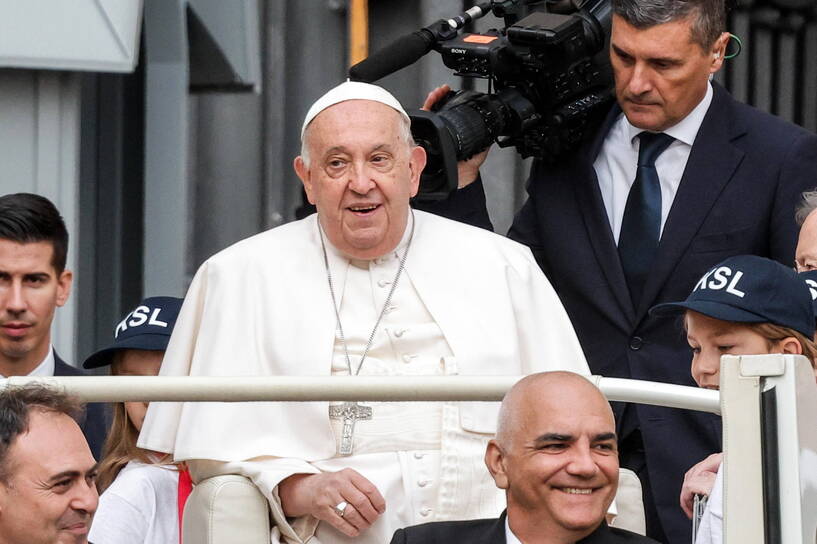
685	130
510	538
46	367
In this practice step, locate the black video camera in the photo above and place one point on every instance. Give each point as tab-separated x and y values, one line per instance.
549	78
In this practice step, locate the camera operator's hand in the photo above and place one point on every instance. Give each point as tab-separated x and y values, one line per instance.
467	170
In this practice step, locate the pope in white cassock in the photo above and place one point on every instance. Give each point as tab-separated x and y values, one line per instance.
365	287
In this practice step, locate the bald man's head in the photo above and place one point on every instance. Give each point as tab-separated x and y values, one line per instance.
555	454
538	392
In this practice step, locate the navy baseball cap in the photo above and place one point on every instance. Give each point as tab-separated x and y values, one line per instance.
147	327
750	289
810	277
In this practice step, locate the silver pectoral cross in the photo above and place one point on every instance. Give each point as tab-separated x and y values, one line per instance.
349	412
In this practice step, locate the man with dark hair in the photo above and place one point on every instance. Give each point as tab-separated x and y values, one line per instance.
33	284
679	177
555	457
47	493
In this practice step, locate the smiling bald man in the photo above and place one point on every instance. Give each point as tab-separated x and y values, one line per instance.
555	456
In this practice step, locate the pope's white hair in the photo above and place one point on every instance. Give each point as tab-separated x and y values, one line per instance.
404	129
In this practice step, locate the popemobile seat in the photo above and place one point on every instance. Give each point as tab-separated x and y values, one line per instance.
231	510
226	510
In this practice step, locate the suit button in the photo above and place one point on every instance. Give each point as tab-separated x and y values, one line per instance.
636	342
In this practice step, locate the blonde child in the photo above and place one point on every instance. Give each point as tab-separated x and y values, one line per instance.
746	305
141	492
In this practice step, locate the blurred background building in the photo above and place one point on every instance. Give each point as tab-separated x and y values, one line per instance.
164	130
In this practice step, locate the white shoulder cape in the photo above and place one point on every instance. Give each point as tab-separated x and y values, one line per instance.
262	307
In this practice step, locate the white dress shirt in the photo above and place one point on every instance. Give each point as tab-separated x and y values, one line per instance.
510	538
617	162
45	368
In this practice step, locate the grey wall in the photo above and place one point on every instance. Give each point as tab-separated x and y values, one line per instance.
39	153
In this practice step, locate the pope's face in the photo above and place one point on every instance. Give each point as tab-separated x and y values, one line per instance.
361	176
49	496
660	73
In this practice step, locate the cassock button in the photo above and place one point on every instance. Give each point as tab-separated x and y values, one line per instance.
636	343
383	283
425	512
423	483
408	358
399	332
418	455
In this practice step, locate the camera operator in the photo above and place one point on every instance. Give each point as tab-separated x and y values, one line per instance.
679	177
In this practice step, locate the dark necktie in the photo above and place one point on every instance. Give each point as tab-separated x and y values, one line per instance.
641	224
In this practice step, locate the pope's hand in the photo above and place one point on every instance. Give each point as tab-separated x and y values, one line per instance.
318	494
699	480
467	170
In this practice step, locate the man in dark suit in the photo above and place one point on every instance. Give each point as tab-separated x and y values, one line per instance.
679	177
33	284
555	455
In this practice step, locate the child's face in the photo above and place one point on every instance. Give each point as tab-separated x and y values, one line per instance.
135	362
710	338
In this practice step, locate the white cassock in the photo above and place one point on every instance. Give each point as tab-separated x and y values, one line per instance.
468	302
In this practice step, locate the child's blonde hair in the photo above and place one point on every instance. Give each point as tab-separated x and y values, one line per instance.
775	333
120	446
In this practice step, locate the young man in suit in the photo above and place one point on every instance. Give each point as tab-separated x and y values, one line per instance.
556	457
679	177
33	284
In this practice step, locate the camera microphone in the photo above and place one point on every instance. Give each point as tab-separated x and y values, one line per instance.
408	49
402	52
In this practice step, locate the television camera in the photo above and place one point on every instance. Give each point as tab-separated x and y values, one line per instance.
548	74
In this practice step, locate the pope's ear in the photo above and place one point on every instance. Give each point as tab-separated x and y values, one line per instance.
495	461
417	162
303	172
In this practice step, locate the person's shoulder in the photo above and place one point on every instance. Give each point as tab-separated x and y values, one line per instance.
442	531
287	233
624	536
61	368
773	129
459	237
139	483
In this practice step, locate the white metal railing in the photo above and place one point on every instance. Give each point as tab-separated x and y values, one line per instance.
343	388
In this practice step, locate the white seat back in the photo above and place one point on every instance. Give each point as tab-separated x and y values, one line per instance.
226	510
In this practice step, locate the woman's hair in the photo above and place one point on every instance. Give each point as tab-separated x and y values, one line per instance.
775	333
120	446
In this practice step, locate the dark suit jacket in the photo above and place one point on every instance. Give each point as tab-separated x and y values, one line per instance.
95	425
492	531
737	196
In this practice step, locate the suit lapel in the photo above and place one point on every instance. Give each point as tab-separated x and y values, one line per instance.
711	165
588	196
496	532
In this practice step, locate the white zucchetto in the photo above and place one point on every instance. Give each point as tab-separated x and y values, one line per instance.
353	90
